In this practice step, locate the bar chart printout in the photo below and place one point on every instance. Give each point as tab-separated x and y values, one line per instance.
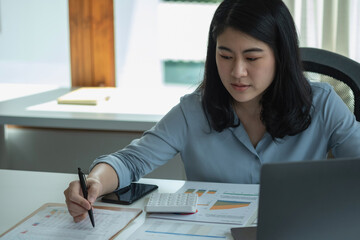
220	203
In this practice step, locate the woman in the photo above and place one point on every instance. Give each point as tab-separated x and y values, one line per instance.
254	106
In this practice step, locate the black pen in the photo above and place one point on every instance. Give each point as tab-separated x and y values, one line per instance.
85	193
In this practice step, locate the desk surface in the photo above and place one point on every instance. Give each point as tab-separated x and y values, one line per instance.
18	112
22	192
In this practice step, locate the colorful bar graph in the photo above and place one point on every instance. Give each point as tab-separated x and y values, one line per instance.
200	192
190	191
222	204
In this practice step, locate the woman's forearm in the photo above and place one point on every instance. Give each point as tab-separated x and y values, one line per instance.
107	176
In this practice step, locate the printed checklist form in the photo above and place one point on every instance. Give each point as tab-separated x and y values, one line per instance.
53	221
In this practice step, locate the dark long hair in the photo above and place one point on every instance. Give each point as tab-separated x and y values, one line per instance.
287	102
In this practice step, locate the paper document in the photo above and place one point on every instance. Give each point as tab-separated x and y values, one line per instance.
86	96
220	203
53	221
179	230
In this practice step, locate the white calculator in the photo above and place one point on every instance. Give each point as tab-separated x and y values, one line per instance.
172	203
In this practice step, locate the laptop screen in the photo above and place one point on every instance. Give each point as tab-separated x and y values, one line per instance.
310	200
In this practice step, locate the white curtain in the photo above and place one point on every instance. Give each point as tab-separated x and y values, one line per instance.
333	25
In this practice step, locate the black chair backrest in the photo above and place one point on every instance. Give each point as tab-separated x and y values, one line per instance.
341	72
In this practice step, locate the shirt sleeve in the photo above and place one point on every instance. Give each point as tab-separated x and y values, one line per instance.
342	127
157	146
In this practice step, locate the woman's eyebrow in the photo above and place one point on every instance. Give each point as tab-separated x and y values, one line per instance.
224	48
255	49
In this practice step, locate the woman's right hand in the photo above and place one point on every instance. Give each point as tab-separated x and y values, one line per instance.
101	180
77	205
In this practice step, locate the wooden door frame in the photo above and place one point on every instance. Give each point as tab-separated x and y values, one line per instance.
92	43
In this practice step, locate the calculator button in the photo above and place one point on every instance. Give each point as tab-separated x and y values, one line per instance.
172	203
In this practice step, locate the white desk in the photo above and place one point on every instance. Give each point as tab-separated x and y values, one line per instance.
18	112
29	111
22	192
129	109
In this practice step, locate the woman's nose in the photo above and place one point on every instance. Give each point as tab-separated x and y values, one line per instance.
239	69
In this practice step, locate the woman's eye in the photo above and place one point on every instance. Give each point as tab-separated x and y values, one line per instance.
251	59
225	57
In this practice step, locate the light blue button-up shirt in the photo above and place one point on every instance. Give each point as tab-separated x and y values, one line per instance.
229	156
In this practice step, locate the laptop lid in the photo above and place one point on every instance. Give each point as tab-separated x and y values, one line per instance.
310	200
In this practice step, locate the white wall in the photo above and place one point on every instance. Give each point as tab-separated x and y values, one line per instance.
34	42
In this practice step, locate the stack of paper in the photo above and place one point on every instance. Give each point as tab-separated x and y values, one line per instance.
86	96
220	207
53	222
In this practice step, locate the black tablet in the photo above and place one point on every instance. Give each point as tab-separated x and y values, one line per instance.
129	194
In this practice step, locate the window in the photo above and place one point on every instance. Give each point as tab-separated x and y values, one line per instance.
161	44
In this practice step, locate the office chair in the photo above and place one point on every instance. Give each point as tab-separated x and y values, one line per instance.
341	72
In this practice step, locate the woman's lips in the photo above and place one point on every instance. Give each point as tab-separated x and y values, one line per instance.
240	87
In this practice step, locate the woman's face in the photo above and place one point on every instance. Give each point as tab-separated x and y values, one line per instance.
246	65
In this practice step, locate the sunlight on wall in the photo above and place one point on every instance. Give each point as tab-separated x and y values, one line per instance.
34	42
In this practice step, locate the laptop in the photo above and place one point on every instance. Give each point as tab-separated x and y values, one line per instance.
307	200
